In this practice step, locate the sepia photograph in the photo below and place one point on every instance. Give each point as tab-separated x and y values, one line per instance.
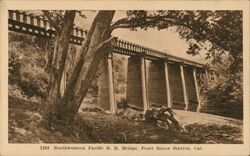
72	74
126	77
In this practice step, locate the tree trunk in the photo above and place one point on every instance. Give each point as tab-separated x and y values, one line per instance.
95	47
58	64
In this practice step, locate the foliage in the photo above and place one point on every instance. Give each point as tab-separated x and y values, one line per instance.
221	30
26	64
120	75
225	96
34	82
14	68
93	89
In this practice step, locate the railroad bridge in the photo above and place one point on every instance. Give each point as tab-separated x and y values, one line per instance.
171	80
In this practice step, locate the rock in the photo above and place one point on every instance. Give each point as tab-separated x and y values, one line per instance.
164	118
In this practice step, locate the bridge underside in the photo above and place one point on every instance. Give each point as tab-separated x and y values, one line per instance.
134	83
176	87
148	85
157	92
190	85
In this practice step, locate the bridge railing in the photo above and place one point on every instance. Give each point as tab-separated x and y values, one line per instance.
129	48
29	23
40	21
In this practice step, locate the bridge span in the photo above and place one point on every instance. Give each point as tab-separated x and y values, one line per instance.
172	81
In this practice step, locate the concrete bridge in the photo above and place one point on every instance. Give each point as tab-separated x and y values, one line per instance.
172	81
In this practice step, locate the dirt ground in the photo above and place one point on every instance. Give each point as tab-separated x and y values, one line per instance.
187	117
25	117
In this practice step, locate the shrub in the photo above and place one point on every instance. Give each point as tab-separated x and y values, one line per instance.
26	64
226	95
14	68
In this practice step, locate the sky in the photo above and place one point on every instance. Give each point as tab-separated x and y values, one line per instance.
163	40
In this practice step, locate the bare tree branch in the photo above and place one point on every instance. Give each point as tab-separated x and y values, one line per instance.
145	21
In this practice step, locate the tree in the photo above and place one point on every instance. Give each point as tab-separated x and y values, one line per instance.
196	26
94	48
63	26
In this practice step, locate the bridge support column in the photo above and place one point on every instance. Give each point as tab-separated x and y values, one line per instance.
197	90
175	85
144	84
136	83
167	85
184	87
157	84
106	97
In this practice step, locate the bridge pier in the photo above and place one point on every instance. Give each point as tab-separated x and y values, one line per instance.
162	88
144	84
136	83
190	79
157	88
169	98
175	86
106	99
197	90
183	82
